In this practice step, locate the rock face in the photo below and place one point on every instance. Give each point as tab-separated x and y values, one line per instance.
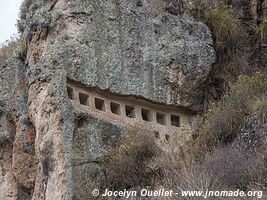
253	134
251	14
134	48
123	47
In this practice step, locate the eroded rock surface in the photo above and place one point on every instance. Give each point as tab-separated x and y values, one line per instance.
120	46
51	148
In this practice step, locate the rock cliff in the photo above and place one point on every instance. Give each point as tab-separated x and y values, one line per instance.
50	147
122	46
48	144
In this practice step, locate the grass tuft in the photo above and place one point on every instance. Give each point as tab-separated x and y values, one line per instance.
225	28
225	119
8	48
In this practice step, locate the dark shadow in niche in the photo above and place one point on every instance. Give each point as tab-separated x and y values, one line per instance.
146	115
83	99
115	108
70	93
161	118
130	111
175	120
100	104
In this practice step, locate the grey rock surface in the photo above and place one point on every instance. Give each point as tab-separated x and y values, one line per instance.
92	139
253	134
127	47
122	47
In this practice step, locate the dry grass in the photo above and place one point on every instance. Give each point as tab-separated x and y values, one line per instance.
13	46
212	161
260	108
235	167
229	42
8	48
226	118
228	168
128	165
225	28
223	24
180	176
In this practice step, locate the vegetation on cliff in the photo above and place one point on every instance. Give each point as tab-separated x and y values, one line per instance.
224	120
227	152
8	48
129	164
220	157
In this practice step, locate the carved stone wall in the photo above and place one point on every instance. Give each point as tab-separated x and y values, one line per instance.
168	122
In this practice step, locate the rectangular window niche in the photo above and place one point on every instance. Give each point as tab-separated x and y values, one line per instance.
100	104
130	111
161	118
83	99
146	115
175	120
115	108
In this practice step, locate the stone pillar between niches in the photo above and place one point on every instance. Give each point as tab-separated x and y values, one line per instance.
76	94
122	108
154	117
92	101
107	105
138	113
